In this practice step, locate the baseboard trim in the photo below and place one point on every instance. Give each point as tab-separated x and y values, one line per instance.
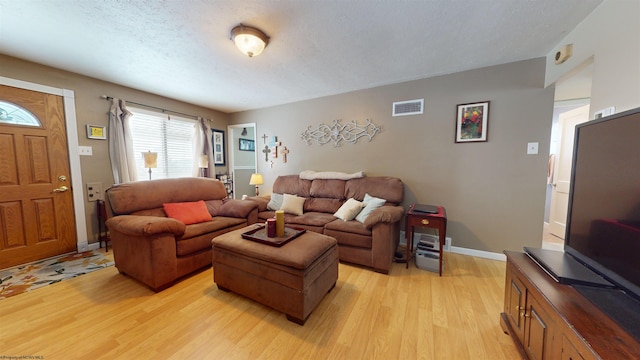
93	246
478	253
456	249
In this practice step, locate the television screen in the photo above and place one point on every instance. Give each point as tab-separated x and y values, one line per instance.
603	223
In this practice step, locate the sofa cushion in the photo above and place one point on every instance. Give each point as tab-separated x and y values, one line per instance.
217	223
370	203
134	196
293	204
150	212
275	203
348	227
349	210
384	187
314	219
322	205
197	237
327	189
188	212
292	184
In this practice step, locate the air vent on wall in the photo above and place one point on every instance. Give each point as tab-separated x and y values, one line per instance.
411	107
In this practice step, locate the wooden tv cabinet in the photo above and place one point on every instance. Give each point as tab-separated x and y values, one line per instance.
549	320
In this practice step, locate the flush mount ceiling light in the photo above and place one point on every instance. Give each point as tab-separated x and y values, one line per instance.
249	40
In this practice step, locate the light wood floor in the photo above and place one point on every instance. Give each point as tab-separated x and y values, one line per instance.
410	314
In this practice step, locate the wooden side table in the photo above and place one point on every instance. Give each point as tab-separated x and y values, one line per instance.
436	221
103	232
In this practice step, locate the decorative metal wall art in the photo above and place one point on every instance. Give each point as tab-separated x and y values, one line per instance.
337	132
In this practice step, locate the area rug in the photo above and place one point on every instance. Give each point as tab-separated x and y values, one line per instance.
23	278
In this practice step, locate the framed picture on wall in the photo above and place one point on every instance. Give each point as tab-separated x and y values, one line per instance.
472	122
247	145
217	141
96	132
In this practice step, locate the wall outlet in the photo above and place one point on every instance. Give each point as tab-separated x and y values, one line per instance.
94	191
532	148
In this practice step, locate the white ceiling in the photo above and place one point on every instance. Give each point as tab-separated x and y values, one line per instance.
181	49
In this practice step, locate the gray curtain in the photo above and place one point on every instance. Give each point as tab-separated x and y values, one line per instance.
202	146
123	163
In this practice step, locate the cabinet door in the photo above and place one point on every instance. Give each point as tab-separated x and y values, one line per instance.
536	334
569	351
516	297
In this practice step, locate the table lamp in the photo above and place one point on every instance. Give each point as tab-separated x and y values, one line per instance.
203	164
256	179
150	161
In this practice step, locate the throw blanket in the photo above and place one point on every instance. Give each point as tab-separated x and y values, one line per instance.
312	175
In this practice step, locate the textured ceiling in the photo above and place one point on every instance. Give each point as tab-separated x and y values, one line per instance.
181	49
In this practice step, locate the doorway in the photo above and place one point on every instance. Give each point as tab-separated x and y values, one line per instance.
45	215
243	157
571	107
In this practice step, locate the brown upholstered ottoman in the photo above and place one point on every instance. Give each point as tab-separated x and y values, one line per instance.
293	278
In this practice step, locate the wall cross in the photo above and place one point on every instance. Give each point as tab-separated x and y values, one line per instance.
284	153
266	152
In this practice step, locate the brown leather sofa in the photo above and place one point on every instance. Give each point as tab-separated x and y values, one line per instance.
156	249
372	243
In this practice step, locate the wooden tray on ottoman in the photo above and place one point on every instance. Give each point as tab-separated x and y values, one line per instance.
260	235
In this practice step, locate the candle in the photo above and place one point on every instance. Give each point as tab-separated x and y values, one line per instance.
271	227
279	222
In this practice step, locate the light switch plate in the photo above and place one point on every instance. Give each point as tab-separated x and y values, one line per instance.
85	150
532	148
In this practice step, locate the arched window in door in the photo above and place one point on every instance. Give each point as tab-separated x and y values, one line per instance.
16	115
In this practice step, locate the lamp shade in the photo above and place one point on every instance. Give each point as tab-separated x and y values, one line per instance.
150	159
249	40
256	179
204	162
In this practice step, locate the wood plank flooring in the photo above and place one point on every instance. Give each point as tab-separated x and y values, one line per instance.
409	314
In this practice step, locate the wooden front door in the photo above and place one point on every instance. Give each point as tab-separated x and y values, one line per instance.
36	205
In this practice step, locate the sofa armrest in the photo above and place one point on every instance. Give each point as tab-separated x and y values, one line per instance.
138	225
384	214
237	208
262	200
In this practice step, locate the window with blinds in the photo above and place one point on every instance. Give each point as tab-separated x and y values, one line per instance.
171	139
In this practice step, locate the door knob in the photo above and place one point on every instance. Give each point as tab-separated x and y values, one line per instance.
61	189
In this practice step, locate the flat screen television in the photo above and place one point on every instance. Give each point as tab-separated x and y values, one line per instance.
603	221
601	258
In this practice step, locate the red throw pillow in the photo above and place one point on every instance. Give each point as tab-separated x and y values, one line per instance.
188	212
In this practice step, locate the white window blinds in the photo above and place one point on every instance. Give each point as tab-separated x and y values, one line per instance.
171	139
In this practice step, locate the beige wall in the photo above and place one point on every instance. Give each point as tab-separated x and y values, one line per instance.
90	109
493	192
609	35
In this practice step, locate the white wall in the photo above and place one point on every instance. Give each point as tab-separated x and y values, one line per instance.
611	34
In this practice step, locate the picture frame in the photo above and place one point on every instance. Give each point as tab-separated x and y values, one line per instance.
472	122
247	144
96	132
217	141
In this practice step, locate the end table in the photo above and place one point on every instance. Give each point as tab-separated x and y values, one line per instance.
436	221
103	235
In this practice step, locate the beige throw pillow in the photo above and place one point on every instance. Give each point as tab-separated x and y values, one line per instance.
292	204
349	210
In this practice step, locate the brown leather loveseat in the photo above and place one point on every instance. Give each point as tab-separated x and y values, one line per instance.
371	243
156	249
